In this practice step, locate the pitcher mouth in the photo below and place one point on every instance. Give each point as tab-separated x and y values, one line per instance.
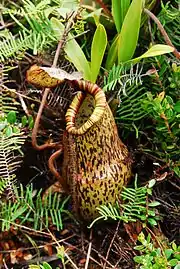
100	105
48	77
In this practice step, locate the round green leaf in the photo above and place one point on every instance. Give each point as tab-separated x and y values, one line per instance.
3	125
168	253
46	266
151	183
24	121
11	117
9	131
153	222
173	262
177	106
31	122
16	130
154	203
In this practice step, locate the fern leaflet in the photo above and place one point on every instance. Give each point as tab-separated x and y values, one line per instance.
27	208
132	208
9	158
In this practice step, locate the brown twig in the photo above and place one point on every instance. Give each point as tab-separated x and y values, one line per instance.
36	125
60	46
163	32
70	18
89	250
83	252
104	7
110	246
37	247
156	239
6	25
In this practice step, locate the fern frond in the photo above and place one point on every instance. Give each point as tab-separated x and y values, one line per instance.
28	8
130	108
7	102
9	158
3	185
29	208
170	18
36	34
15	46
132	208
122	76
127	88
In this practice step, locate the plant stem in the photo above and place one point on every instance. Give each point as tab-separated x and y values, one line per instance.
70	21
104	7
163	32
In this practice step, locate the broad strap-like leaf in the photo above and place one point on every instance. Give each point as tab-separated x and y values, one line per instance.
130	31
98	48
119	10
156	50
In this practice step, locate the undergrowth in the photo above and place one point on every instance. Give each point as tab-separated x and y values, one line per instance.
144	97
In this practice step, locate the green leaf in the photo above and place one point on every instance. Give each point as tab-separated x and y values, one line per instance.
98	48
30	122
139	247
11	117
173	262
34	266
3	125
151	183
24	121
112	53
8	131
46	266
177	106
16	130
177	266
177	171
73	50
153	222
174	246
155	50
138	259
154	253
18	212
177	256
119	10
168	253
130	31
151	213
154	203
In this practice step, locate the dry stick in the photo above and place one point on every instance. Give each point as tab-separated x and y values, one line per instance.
174	184
104	7
82	252
60	46
89	251
156	239
163	32
110	246
37	247
69	259
36	125
23	104
27	228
